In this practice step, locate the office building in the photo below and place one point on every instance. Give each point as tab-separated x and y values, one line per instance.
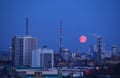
66	55
22	47
43	58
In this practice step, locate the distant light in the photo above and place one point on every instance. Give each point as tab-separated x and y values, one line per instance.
97	68
83	39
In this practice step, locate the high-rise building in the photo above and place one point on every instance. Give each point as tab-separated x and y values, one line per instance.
22	47
43	58
66	55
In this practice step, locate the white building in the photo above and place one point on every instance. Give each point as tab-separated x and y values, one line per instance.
43	58
106	55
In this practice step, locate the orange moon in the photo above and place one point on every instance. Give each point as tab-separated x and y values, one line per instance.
83	39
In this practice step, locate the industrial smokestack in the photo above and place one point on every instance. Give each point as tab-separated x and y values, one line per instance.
26	25
99	46
99	50
60	39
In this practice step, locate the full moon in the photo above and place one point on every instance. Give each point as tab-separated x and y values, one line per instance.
83	39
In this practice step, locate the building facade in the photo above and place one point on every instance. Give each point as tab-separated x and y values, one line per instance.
43	58
22	47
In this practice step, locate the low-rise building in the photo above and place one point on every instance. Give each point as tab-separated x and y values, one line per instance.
43	57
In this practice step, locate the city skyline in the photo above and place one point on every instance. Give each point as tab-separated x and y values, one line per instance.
90	18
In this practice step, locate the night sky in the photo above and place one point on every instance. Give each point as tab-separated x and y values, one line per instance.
92	18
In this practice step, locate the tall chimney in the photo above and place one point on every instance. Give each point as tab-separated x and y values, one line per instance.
60	39
99	50
26	25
